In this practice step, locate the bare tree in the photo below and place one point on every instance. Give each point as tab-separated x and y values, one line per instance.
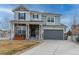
73	26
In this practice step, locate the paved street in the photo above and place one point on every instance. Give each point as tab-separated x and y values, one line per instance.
54	47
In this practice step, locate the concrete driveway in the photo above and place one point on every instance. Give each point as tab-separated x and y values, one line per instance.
54	47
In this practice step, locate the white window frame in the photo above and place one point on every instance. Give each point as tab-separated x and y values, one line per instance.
34	14
20	13
50	23
52	19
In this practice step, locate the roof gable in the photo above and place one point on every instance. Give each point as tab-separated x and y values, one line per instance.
21	8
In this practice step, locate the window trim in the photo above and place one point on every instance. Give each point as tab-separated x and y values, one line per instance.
51	20
24	16
21	30
35	16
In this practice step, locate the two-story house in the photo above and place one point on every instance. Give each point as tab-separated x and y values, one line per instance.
36	25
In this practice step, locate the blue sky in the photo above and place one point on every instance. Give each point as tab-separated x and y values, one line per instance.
66	10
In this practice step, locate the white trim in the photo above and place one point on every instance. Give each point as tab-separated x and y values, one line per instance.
63	35
50	23
54	28
41	31
26	32
54	20
22	11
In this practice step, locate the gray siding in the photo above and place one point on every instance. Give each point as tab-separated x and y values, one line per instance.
57	20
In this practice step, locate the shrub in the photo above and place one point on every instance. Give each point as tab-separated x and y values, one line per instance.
77	39
66	37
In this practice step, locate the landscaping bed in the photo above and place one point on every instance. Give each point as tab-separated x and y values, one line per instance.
8	47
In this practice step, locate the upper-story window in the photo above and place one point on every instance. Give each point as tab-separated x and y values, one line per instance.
22	15
50	19
35	15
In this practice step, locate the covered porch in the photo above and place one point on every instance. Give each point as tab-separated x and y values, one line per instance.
34	31
27	30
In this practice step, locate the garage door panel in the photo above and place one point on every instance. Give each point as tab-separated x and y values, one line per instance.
53	34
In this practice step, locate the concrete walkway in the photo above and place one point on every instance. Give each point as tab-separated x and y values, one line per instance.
54	47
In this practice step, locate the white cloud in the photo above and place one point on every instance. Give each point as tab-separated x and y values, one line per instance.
1	19
6	10
5	17
68	17
4	24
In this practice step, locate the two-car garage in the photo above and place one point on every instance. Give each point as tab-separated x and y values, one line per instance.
53	34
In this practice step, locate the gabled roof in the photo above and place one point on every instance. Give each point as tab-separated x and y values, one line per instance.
47	13
21	8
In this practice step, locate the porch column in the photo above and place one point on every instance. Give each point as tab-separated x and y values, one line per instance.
41	31
12	33
28	31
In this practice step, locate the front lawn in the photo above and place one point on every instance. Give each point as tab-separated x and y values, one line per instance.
8	47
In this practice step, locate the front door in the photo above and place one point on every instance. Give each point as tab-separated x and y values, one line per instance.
33	34
34	31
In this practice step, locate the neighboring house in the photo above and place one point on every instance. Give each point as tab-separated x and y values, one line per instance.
69	33
75	30
36	25
4	35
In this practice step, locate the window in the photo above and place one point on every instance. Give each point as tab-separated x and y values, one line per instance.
22	15
49	19
35	15
52	19
18	32
21	31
